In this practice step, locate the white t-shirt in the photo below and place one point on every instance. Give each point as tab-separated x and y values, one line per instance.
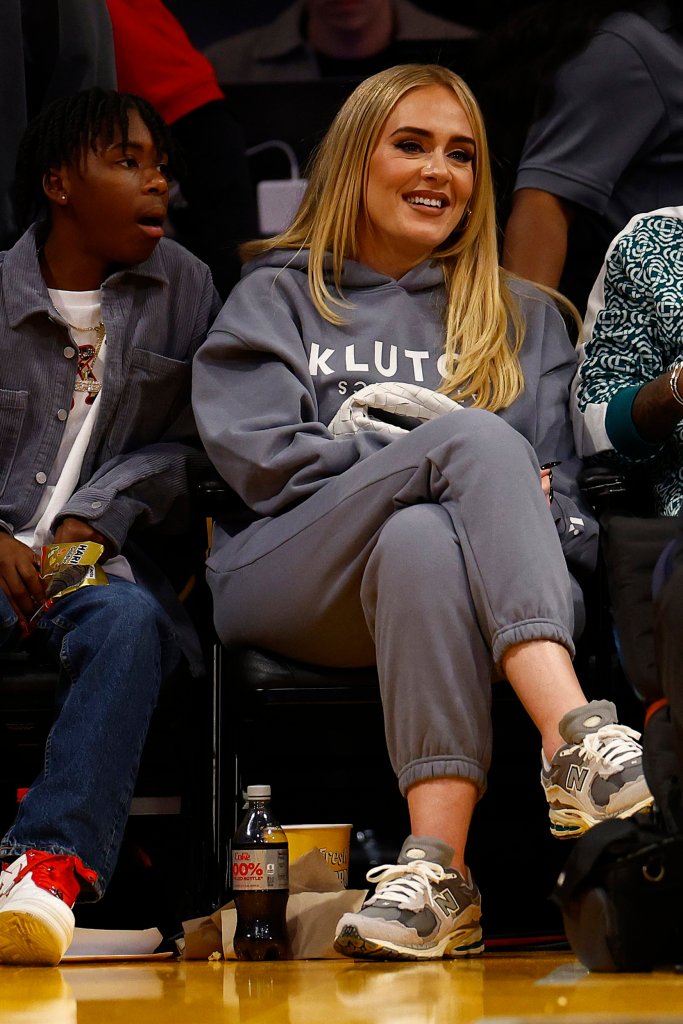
80	310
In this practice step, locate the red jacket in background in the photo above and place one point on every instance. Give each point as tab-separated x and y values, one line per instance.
156	60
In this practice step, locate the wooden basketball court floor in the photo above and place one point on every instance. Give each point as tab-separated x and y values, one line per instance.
494	989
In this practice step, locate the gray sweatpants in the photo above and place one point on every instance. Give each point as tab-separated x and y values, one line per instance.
430	558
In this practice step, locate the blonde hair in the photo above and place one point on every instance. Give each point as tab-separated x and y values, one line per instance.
481	361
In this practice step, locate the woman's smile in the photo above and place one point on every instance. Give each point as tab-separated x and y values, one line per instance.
427	200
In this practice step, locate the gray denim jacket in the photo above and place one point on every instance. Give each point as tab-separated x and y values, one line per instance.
144	442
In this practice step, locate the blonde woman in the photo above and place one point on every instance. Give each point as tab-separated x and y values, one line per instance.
382	400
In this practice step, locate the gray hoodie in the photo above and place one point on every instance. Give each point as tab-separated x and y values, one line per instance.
272	373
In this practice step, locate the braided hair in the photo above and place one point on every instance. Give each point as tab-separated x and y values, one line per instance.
65	130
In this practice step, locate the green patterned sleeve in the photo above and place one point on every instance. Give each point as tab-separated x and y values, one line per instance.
626	346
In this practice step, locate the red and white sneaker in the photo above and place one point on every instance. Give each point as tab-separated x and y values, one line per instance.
37	892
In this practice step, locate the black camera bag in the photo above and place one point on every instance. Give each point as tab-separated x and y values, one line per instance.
621	890
621	895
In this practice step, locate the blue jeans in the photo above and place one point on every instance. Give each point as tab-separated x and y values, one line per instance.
114	646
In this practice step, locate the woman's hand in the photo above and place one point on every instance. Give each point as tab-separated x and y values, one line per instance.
19	578
73	531
547	479
547	483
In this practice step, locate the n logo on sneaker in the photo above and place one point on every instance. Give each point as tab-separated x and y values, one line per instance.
447	903
576	777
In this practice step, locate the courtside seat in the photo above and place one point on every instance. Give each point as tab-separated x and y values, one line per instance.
27	693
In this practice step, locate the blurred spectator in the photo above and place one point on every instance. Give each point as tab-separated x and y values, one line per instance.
156	60
328	38
607	139
49	48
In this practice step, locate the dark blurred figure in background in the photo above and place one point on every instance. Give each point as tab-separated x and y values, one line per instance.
48	48
156	60
664	730
587	97
328	38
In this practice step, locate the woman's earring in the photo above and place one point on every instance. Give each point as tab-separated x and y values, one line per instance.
63	196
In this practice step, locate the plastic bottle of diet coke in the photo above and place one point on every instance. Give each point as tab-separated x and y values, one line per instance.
260	881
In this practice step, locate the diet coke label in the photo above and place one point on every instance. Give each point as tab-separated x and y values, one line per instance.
259	869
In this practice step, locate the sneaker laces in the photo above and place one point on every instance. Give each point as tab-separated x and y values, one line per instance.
613	744
6	879
402	883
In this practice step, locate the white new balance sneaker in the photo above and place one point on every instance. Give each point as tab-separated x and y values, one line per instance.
421	909
37	892
598	774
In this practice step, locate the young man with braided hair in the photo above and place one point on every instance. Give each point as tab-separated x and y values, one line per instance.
99	319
